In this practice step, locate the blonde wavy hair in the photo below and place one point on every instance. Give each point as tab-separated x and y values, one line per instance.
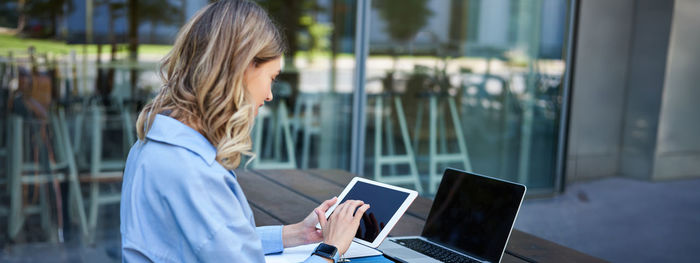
203	75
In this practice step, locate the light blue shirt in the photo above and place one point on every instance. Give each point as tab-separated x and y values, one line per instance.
180	205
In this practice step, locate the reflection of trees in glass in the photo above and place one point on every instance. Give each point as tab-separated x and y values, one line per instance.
155	12
316	38
458	25
105	78
159	12
9	16
404	18
50	11
297	21
294	17
116	11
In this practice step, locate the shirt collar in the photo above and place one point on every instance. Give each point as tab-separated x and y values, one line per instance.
171	131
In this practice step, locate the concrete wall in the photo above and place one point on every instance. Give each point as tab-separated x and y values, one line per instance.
678	148
604	37
645	85
636	90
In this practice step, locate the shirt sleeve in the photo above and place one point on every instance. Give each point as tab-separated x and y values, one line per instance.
317	259
271	238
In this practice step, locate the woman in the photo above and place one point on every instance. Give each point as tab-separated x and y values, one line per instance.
180	198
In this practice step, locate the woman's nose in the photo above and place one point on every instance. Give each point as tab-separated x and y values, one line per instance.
269	96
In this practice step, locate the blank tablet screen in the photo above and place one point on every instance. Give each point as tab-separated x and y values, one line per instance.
383	203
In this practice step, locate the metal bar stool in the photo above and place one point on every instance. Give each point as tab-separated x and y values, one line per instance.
279	124
436	119
391	158
18	177
103	170
306	123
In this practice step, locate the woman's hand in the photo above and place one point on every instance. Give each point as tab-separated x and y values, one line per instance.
342	225
305	232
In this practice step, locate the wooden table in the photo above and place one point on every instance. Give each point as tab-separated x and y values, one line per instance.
287	196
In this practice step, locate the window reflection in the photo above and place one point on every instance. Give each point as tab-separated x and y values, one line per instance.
71	100
466	83
469	84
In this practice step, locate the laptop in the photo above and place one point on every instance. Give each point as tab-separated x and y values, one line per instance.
470	221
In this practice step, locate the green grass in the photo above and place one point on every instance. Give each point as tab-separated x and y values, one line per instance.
19	44
154	49
13	43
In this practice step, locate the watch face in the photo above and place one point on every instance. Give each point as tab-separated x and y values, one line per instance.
326	250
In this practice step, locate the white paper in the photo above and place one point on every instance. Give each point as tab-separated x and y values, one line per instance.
293	254
357	250
301	253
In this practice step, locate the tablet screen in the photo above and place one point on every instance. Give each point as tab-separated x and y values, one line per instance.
383	203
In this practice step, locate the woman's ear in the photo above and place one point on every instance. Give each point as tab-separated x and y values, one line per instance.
256	62
251	67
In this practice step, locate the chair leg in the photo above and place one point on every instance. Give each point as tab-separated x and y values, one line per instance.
94	209
418	127
432	145
306	144
45	212
378	138
389	133
296	120
77	204
407	144
461	141
268	134
442	128
95	164
257	140
16	215
284	121
77	145
276	127
76	198
128	127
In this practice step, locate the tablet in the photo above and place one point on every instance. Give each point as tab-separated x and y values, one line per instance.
387	205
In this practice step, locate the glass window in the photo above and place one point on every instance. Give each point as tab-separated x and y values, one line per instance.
76	74
468	84
307	125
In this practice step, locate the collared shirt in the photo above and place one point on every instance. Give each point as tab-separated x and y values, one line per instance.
180	205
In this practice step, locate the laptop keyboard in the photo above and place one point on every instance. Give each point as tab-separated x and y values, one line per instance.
434	251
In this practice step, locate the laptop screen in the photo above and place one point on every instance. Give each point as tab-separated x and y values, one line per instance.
473	214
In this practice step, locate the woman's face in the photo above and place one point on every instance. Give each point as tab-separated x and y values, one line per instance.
258	81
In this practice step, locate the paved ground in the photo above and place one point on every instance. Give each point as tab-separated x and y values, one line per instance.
620	220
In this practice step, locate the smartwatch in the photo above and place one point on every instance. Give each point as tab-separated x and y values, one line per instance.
327	251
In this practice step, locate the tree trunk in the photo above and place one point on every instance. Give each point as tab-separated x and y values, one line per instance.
22	18
133	43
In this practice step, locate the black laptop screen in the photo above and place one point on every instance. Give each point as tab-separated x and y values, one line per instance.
473	214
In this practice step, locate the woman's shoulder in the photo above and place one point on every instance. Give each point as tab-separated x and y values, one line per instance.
157	157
